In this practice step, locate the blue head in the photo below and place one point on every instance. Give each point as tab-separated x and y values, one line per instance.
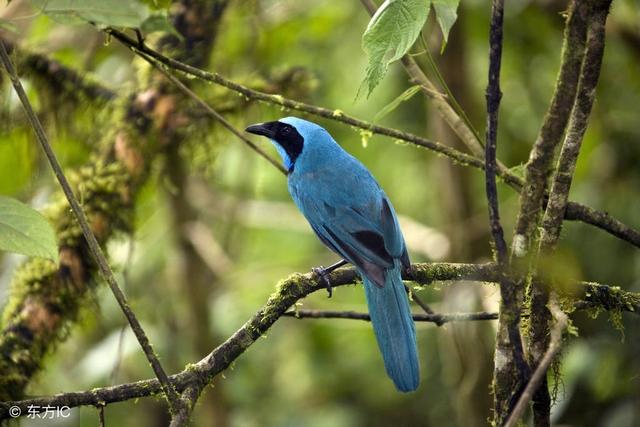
295	139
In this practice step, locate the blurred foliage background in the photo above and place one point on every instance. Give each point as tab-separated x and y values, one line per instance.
248	234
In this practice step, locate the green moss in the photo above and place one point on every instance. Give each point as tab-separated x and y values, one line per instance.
58	291
615	317
98	187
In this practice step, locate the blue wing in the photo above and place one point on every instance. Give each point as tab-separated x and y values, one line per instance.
352	216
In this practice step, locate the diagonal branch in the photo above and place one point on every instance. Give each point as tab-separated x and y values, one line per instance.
541	370
288	292
539	167
46	297
579	121
213	113
92	242
575	211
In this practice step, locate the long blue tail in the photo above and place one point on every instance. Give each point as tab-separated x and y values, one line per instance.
394	329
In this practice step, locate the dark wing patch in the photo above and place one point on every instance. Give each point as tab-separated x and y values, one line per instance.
374	242
375	272
406	262
344	248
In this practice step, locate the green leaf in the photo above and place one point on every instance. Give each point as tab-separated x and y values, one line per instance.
25	231
115	13
404	96
390	34
446	15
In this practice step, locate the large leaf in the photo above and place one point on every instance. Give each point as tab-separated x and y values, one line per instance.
25	231
446	15
390	34
115	13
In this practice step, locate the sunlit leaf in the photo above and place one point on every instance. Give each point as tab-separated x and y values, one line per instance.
446	15
390	34
116	13
25	231
404	96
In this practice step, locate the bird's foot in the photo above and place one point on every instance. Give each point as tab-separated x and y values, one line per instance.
324	275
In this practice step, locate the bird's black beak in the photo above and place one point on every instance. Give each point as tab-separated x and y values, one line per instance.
267	129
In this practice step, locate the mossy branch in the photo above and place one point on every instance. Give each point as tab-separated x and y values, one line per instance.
46	299
63	81
596	12
288	292
90	238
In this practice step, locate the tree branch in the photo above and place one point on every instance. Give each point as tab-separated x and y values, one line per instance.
493	96
288	292
46	297
602	221
532	197
213	113
59	77
579	121
539	167
541	370
510	368
540	346
437	318
92	241
336	115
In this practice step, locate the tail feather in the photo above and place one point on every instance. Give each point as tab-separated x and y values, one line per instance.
394	329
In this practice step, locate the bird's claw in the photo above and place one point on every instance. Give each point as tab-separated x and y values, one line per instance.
322	273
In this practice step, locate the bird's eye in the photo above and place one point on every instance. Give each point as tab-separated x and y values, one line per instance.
286	130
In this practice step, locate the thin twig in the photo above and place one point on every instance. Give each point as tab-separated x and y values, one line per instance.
543	366
437	318
575	211
423	305
336	115
213	113
94	246
101	422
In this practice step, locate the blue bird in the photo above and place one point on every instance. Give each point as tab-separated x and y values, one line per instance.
352	216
